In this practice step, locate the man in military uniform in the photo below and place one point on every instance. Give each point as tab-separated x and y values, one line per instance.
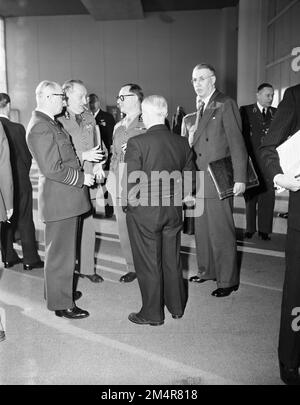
129	102
62	197
81	125
256	120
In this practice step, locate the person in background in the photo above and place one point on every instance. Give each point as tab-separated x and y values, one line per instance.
214	132
155	219
129	102
177	120
22	220
256	121
285	124
81	125
106	123
6	191
63	197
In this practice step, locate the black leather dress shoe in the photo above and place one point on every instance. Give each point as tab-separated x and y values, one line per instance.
72	313
136	318
95	278
224	292
248	235
284	215
2	335
197	279
289	376
77	295
8	264
264	236
128	277
176	316
36	265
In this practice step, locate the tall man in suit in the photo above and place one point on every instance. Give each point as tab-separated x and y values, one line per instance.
285	124
217	135
256	121
154	218
62	197
22	219
6	191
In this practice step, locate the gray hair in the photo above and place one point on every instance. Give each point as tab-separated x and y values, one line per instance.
205	66
157	103
69	85
43	86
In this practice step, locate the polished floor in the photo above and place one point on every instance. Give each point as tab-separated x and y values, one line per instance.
219	341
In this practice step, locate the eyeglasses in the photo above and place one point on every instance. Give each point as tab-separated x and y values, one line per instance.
122	97
62	95
200	79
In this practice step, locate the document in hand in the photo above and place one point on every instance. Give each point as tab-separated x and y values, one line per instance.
221	172
289	155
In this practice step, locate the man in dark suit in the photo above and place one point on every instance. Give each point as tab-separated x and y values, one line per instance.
106	123
215	132
256	120
285	124
6	192
154	213
63	197
22	219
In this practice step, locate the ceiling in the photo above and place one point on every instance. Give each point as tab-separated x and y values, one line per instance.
105	9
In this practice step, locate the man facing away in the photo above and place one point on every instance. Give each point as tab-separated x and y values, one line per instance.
285	124
154	218
62	198
129	102
256	121
214	133
22	220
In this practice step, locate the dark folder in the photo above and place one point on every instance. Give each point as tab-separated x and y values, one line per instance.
221	172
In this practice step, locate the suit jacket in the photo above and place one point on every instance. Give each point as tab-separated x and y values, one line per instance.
62	194
219	134
157	150
20	157
6	180
286	123
106	124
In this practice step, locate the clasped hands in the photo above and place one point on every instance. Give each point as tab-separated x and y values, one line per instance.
95	154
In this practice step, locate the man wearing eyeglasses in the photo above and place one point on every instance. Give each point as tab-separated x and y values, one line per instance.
214	132
63	197
129	102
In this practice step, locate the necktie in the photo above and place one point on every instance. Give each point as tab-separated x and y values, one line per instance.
78	118
264	113
201	108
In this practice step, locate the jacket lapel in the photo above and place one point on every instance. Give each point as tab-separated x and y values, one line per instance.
209	110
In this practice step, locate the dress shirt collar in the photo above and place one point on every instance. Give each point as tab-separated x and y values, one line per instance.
206	99
260	107
4	116
96	112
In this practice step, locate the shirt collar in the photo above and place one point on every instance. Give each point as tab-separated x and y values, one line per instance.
96	112
260	107
4	116
45	112
206	99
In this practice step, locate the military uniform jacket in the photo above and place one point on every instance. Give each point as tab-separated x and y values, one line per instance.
219	134
255	128
120	137
6	181
62	194
106	123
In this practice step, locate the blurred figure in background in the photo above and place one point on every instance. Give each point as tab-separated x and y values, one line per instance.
22	219
177	120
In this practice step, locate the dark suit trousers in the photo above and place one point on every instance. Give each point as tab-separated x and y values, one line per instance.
264	202
289	339
60	257
155	235
216	243
23	221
